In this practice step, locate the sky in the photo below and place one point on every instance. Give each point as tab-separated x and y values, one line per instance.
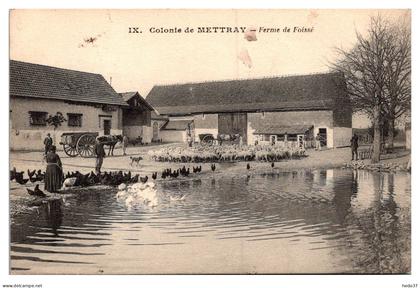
137	61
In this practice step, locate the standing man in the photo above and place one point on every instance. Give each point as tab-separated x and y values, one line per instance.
47	143
354	145
189	140
124	144
317	142
100	154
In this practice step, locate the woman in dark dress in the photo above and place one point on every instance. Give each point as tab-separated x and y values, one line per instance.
54	174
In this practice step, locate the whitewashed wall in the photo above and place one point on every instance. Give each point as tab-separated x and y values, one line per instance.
342	136
173	136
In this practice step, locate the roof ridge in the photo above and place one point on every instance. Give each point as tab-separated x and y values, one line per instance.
128	92
276	76
54	67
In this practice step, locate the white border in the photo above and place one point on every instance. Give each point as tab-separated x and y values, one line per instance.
350	281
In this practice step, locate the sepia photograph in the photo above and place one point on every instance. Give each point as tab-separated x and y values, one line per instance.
180	141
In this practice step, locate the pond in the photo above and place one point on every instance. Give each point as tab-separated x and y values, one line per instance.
306	221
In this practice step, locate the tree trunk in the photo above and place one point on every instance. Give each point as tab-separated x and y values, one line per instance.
376	134
390	138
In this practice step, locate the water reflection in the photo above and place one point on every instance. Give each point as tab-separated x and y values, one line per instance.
54	215
325	221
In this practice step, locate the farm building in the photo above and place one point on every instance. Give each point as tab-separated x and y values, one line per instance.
175	130
137	117
265	110
158	121
86	100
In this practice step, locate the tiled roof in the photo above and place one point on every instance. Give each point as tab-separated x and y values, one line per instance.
177	125
156	116
270	128
128	95
40	81
303	92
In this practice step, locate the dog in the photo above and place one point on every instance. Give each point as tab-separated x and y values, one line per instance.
136	159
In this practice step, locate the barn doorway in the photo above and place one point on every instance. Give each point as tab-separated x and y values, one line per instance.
323	136
107	127
233	123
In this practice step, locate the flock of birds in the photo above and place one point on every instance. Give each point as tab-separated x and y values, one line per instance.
177	172
107	178
33	176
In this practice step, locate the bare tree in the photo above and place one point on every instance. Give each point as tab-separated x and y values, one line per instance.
398	78
364	67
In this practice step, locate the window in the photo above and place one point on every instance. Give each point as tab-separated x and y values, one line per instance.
74	120
37	118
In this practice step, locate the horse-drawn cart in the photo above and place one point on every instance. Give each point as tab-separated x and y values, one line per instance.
79	143
209	139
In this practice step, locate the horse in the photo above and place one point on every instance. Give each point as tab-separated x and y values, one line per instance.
111	141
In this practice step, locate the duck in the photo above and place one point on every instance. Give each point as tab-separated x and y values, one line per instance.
129	201
121	194
135	179
127	177
84	180
174	174
12	174
33	180
144	179
36	192
31	173
213	167
122	186
272	164
69	182
40	176
177	197
154	175
22	181
184	172
248	166
18	176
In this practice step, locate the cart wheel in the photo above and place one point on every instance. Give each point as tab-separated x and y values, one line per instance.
70	150
207	140
85	145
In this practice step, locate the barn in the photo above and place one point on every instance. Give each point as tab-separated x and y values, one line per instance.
86	100
264	110
137	119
